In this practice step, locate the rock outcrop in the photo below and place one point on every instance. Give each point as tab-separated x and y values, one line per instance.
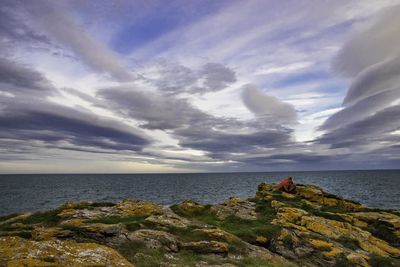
310	228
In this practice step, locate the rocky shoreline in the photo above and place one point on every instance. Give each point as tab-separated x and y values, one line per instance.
311	228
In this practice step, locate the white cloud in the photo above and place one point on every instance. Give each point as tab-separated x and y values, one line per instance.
293	67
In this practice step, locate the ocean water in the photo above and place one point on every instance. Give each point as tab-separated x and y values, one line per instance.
378	188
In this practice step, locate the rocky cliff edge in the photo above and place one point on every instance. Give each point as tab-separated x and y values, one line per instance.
310	228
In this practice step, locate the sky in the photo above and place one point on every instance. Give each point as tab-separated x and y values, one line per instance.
199	86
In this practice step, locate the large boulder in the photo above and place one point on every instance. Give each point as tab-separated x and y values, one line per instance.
166	217
205	247
155	239
16	251
237	207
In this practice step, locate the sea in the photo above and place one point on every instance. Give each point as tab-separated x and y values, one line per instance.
33	192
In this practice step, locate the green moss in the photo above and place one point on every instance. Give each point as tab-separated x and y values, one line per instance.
288	241
342	261
101	204
333	209
380	261
187	258
327	215
256	262
247	230
384	231
348	243
7	217
47	218
118	219
22	233
141	256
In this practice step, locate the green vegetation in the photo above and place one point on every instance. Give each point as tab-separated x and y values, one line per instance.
384	231
7	217
342	261
328	215
46	218
379	261
20	233
348	243
140	255
288	241
248	230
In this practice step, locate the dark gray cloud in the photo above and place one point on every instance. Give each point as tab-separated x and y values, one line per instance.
53	124
370	46
219	143
371	130
374	79
85	131
18	79
361	109
371	112
216	77
29	116
154	110
193	128
14	27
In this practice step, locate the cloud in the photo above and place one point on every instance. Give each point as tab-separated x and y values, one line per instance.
371	105
31	117
193	128
374	130
362	109
14	28
267	107
64	124
54	19
174	78
154	110
18	79
371	46
216	77
67	128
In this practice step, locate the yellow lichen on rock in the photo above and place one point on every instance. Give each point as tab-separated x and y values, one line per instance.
309	191
320	243
261	239
335	229
190	206
288	196
136	207
358	259
234	201
277	204
290	214
41	233
67	213
218	234
333	252
29	263
61	253
309	203
353	220
72	223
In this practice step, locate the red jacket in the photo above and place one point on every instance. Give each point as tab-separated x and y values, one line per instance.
283	183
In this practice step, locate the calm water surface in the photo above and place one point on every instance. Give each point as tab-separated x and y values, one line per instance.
44	191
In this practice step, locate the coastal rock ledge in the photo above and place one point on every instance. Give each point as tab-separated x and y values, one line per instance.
310	228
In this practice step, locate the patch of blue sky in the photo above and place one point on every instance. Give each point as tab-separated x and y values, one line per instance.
301	78
326	34
161	20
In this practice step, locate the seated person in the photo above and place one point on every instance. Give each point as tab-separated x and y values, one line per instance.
287	186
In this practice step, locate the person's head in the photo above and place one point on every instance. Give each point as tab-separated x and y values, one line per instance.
290	178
